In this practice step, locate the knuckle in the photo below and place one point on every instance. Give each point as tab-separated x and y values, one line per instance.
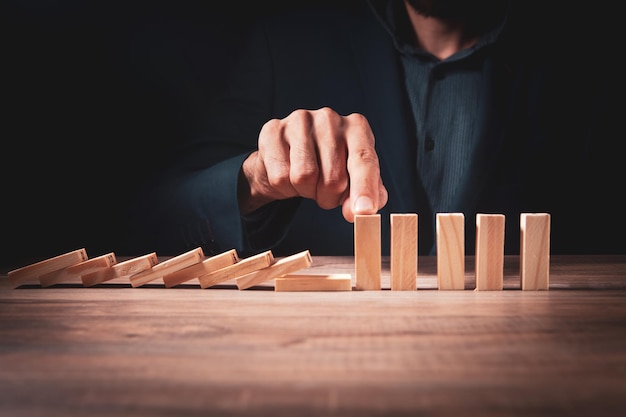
303	176
358	119
367	155
278	175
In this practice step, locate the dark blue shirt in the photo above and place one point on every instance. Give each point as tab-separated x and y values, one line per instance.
444	97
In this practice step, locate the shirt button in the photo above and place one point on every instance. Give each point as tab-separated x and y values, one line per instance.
429	144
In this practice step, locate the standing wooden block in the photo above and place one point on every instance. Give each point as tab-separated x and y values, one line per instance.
279	268
73	273
243	267
167	267
120	270
210	264
332	282
450	251
489	251
403	252
32	272
367	252
535	251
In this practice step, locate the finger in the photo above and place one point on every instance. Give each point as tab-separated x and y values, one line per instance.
332	185
300	135
274	156
366	188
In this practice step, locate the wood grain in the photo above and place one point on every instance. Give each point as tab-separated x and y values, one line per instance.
167	267
31	273
243	267
367	252
313	282
283	266
450	251
73	273
403	251
207	266
116	350
489	251
535	251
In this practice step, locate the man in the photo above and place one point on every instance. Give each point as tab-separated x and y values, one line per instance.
382	106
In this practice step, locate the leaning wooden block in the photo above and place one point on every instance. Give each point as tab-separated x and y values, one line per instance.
367	252
120	270
167	267
450	251
403	252
32	272
489	252
535	251
332	282
243	267
279	268
73	273
210	264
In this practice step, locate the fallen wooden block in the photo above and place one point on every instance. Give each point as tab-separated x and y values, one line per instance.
489	252
120	270
535	251
210	264
367	252
73	273
32	272
166	267
283	266
332	282
243	267
403	252
450	251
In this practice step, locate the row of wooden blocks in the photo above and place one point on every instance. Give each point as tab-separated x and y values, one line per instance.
76	267
450	233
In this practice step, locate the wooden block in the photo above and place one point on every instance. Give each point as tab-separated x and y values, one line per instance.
367	252
120	270
403	252
167	267
489	252
283	266
243	267
332	282
450	251
210	264
535	251
32	272
73	273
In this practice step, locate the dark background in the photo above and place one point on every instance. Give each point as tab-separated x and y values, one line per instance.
95	93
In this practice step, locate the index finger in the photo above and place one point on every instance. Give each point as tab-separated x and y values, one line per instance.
367	192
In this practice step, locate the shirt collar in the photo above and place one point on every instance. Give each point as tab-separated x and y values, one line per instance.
392	16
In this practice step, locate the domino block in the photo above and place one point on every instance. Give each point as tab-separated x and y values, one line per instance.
243	267
283	266
535	251
450	251
167	267
32	272
331	282
403	252
73	273
120	270
489	251
210	264
367	252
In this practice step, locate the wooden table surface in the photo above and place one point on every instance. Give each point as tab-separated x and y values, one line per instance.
186	351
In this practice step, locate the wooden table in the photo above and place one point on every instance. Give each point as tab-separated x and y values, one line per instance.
186	351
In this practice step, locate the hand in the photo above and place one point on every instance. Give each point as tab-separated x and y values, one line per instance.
316	154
